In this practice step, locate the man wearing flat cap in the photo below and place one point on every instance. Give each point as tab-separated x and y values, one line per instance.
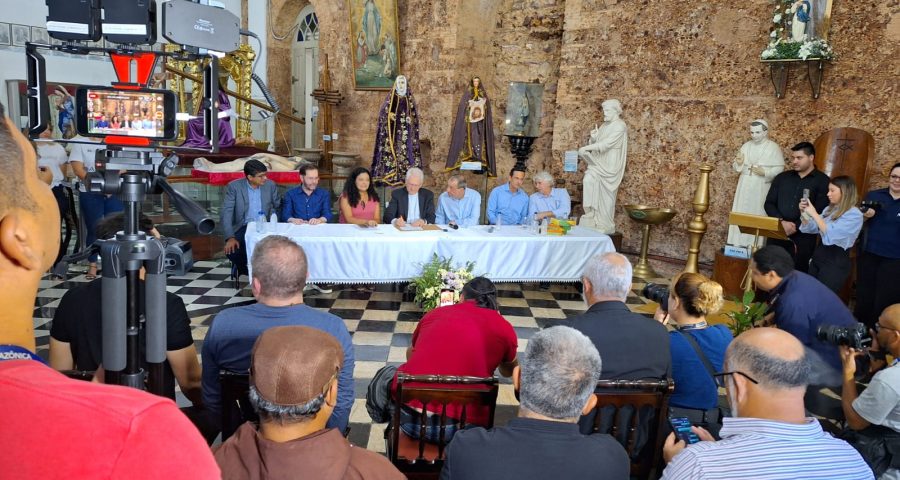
293	388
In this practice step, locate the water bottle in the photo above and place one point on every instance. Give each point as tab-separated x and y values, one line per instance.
535	224
545	225
273	220
499	221
261	222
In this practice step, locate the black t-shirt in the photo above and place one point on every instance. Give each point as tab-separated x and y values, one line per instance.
783	199
78	322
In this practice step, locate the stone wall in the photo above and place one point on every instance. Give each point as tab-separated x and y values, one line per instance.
687	73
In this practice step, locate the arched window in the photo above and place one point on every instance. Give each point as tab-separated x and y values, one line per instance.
309	28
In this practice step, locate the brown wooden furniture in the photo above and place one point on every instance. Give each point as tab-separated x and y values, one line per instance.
236	408
418	458
634	401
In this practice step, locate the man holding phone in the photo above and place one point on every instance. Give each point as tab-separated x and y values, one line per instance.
789	188
769	435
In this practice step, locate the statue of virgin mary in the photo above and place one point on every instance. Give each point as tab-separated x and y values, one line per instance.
397	136
473	131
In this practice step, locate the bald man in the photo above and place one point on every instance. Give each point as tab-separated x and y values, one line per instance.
769	435
879	405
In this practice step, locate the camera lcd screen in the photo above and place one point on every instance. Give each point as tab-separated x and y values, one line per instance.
129	113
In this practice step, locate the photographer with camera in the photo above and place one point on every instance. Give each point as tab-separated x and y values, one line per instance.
698	349
878	265
874	415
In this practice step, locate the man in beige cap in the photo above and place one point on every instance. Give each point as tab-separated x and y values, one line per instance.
293	388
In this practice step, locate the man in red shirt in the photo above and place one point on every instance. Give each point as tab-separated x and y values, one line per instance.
54	427
470	338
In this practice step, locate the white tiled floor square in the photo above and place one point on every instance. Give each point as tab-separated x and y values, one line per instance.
364	369
521	321
397	354
221	292
350	304
405	327
52	293
547	312
384	315
351	325
512	302
372	338
204	283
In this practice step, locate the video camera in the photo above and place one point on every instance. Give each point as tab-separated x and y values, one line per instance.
657	293
856	337
131	165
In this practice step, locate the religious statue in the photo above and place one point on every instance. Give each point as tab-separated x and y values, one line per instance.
371	26
473	131
523	112
274	163
195	137
605	158
758	161
397	136
802	10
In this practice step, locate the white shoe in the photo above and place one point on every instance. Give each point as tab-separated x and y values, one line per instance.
310	286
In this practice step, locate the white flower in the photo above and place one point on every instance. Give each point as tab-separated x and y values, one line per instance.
773	34
787	10
777	18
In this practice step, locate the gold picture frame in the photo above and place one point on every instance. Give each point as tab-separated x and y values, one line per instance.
374	43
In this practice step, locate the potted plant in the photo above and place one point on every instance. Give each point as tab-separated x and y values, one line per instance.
747	315
437	275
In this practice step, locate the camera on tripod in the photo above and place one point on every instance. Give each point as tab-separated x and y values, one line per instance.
657	293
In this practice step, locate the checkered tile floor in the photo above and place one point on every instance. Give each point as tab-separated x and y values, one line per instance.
381	323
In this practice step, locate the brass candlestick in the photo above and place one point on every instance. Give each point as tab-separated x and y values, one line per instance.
697	226
647	216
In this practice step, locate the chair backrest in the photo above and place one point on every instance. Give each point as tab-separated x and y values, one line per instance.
443	390
634	401
236	408
846	151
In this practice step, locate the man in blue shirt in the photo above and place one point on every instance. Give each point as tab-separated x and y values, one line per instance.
307	203
508	203
800	303
459	206
548	202
279	275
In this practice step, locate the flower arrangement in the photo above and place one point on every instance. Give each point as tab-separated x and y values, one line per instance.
437	275
783	47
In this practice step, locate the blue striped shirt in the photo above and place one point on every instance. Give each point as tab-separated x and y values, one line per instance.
841	232
757	448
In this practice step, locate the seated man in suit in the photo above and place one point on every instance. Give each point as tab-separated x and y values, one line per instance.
412	204
245	200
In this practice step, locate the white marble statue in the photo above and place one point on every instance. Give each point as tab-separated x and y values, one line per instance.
801	10
758	161
605	159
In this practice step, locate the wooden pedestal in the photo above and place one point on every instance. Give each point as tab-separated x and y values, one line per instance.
729	271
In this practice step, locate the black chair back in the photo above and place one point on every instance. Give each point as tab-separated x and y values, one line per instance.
236	408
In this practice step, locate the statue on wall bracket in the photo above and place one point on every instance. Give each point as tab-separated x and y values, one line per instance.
397	136
473	130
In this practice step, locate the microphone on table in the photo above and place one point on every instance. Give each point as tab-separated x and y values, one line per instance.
453	226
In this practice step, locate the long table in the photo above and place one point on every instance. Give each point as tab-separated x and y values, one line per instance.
339	253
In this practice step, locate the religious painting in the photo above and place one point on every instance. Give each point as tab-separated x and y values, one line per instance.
523	109
374	43
5	36
21	34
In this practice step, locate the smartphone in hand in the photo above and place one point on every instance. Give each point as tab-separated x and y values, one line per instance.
682	428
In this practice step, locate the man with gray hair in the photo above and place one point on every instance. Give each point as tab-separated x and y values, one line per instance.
769	435
458	206
633	346
279	275
548	202
555	381
411	204
294	389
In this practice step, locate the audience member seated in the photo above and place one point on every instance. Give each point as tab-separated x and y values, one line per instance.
307	203
801	304
294	389
556	383
875	413
459	206
470	338
412	204
632	345
769	435
698	349
76	337
359	204
53	426
508	203
246	199
279	275
548	202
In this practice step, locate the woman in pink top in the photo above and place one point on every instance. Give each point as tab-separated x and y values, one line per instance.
359	202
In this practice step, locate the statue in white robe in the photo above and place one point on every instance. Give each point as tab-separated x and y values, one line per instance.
758	161
605	159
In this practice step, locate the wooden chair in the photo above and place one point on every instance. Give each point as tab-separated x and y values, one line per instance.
629	398
236	408
418	458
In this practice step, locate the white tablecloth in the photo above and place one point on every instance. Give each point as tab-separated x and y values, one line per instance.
349	254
